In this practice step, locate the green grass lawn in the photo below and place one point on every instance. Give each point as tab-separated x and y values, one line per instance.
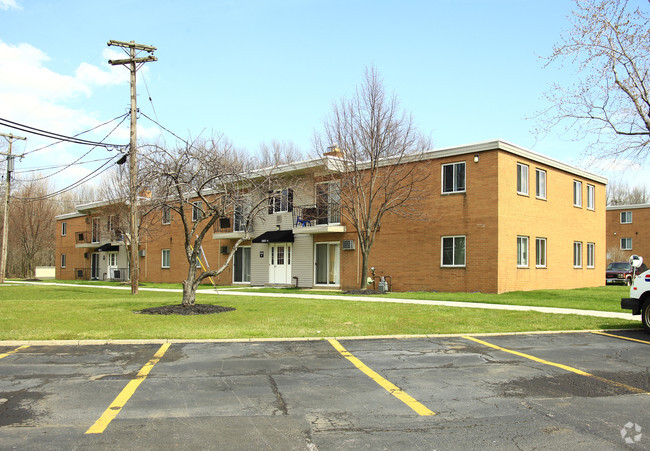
29	312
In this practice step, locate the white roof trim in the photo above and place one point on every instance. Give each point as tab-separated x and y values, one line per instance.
628	207
69	216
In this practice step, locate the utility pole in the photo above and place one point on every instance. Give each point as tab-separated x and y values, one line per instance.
5	217
132	63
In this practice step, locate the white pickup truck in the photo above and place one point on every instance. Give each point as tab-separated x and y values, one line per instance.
639	300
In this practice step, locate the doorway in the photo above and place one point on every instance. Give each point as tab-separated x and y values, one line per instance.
280	263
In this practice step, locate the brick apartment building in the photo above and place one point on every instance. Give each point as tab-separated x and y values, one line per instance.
496	218
626	231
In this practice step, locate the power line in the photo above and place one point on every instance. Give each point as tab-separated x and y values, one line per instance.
52	135
162	127
45	168
80	133
79	182
77	160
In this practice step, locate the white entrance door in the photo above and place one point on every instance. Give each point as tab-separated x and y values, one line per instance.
280	263
113	272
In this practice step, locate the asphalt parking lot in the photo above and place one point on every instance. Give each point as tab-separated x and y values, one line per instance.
535	391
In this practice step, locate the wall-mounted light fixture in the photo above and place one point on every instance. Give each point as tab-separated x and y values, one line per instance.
476	158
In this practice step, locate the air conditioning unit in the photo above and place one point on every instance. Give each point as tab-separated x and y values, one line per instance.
348	245
86	255
143	252
224	249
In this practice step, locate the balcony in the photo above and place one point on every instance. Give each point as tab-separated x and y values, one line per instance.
226	228
320	218
86	239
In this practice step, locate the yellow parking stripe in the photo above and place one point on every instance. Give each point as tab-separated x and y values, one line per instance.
391	388
2	356
622	338
559	365
119	402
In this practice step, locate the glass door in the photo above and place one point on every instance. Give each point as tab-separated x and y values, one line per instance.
327	264
242	265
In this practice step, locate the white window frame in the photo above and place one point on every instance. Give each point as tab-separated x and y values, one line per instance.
197	213
63	260
522	179
591	255
95	230
540	183
577	193
591	197
628	217
453	264
167	214
64	228
455	188
111	222
540	262
282	205
625	247
577	254
166	252
522	251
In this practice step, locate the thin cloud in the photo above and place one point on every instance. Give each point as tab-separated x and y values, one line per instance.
9	4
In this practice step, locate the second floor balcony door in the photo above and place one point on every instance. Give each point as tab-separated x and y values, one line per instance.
280	263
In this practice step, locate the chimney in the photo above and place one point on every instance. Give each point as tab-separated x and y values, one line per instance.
333	151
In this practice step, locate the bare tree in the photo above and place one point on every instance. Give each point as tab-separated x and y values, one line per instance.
609	43
201	183
278	152
622	194
31	228
378	147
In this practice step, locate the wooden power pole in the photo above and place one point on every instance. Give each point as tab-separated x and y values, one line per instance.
132	63
5	217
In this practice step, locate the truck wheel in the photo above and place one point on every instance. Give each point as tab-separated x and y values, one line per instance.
645	315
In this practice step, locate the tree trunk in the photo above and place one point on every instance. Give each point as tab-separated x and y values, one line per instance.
364	270
189	287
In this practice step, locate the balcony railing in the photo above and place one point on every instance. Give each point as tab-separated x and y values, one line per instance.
82	237
313	215
113	274
227	225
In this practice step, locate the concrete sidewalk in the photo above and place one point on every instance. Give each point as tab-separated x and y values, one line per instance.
378	298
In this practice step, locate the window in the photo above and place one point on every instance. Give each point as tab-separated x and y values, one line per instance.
577	254
197	211
166	214
112	223
453	178
64	228
626	217
626	244
522	251
577	193
281	201
63	260
540	183
453	251
591	197
591	257
522	179
540	252
241	214
165	258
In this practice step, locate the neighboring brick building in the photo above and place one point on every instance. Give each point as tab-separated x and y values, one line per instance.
497	218
627	227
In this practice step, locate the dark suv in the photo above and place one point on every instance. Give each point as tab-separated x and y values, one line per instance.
621	272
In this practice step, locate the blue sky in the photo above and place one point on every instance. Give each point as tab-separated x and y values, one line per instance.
257	71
